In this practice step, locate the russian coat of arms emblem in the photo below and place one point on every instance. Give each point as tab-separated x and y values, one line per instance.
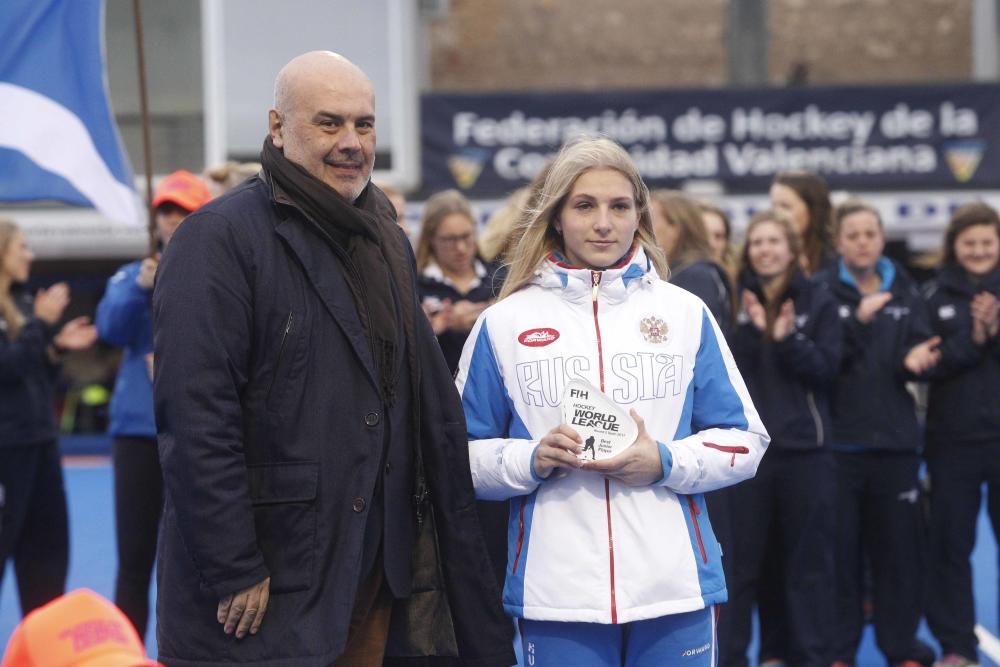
653	329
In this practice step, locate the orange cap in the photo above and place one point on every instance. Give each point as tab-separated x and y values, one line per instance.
79	629
184	189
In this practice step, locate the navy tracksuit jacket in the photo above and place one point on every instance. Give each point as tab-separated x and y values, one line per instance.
876	443
785	513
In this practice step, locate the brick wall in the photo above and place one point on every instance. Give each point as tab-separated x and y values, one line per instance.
485	45
862	41
578	44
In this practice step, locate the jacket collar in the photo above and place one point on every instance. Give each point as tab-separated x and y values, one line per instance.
885	268
315	257
576	283
956	278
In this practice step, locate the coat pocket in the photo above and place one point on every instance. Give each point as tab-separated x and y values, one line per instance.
283	496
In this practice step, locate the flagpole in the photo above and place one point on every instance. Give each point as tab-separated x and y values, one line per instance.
147	149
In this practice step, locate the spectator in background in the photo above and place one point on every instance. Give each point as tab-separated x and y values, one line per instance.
963	422
804	198
681	233
877	441
398	200
454	285
79	629
500	233
125	318
34	528
720	236
224	177
786	342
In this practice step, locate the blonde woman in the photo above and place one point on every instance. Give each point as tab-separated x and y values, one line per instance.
454	284
683	236
33	521
787	343
610	561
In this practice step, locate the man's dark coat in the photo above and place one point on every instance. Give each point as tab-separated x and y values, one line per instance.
270	428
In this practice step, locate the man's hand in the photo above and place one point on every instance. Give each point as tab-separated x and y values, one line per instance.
244	610
557	448
870	305
638	465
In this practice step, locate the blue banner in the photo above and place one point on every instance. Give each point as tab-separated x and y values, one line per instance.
58	140
860	138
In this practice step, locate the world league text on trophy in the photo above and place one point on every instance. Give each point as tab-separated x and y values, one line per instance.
606	429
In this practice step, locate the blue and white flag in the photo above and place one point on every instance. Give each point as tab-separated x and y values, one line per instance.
58	139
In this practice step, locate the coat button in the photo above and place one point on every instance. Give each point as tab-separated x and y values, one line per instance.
358	505
371	419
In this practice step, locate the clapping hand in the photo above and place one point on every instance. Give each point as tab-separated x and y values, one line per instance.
147	273
77	334
755	310
870	305
923	356
464	314
784	324
985	320
50	303
438	313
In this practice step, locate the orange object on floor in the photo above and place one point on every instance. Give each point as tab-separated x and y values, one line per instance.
79	629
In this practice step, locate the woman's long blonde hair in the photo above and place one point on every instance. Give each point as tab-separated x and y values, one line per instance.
683	212
9	311
538	236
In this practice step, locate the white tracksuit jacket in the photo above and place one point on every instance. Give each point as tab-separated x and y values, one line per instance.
582	547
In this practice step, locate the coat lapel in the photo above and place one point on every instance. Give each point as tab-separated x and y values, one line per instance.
327	279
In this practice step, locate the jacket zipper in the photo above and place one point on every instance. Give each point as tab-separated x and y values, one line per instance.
595	277
520	537
693	509
281	353
729	449
611	549
811	401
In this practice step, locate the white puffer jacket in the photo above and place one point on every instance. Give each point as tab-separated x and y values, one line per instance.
582	547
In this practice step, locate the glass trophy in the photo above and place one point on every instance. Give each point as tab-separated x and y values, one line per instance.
605	427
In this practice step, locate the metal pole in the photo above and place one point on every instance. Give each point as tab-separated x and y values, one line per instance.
747	42
147	148
213	59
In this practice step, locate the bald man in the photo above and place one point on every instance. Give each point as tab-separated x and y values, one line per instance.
296	383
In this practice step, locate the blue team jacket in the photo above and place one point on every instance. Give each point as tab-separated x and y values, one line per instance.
125	319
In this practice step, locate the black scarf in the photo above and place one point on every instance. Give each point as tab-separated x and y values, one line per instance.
371	247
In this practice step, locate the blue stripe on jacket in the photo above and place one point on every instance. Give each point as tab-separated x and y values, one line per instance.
711	402
486	417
